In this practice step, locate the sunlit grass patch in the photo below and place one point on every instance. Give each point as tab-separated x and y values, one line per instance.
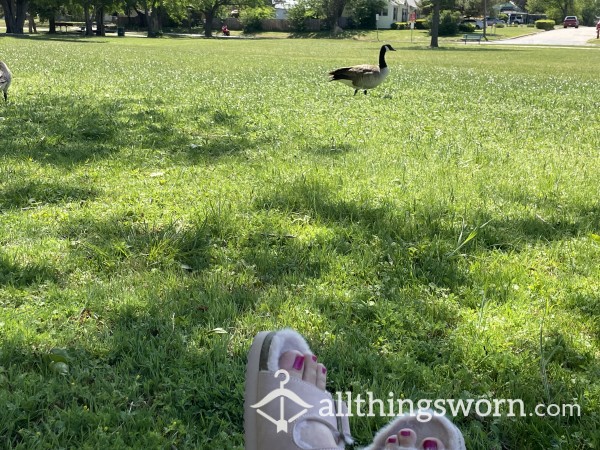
163	200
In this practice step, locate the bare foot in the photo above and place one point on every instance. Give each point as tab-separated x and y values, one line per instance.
406	439
312	434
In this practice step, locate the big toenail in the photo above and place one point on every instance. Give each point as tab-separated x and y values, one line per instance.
430	444
298	362
405	433
392	440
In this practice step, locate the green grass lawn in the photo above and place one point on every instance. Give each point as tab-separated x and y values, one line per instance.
161	201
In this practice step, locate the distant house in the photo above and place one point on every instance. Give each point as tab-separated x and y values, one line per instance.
396	11
282	7
516	14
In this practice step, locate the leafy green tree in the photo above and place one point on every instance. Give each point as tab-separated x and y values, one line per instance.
363	12
47	10
449	21
304	9
590	10
251	17
433	9
15	12
555	9
211	9
333	11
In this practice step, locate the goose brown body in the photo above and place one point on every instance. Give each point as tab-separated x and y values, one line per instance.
5	79
364	76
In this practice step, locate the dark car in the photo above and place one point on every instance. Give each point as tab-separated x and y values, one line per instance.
571	21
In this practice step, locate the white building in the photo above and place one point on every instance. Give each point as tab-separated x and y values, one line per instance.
396	11
282	7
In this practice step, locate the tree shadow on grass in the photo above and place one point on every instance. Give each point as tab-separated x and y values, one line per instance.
279	257
223	133
27	193
63	131
22	275
129	242
393	239
422	241
151	373
71	130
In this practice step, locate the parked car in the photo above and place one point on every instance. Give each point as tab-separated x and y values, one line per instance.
476	23
571	21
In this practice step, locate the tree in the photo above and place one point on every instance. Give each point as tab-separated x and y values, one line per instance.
153	10
435	23
211	8
333	10
556	9
15	12
304	9
363	12
47	10
434	9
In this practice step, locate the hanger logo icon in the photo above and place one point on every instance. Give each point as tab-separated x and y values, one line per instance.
282	394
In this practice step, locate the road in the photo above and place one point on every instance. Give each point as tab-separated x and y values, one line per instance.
559	36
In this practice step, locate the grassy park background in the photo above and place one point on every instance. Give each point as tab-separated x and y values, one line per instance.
161	201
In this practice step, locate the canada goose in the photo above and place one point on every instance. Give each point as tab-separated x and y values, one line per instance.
5	79
364	76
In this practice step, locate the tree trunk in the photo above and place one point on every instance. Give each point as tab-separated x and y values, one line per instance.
209	15
100	22
435	24
52	24
153	24
15	12
142	17
336	8
88	19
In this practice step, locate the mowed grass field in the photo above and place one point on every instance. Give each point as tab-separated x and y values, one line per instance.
162	201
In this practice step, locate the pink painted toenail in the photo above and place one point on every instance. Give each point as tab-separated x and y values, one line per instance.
298	362
405	433
314	357
430	444
392	440
324	370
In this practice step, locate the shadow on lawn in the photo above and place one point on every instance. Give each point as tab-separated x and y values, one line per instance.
223	134
63	131
130	241
22	275
27	193
71	130
422	241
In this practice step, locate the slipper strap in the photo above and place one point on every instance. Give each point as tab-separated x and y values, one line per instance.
282	406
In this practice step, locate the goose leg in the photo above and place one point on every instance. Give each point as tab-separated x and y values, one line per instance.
5	97
355	91
365	91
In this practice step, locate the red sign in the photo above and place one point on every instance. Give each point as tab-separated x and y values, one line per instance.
412	17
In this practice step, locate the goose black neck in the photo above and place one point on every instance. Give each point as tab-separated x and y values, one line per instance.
382	62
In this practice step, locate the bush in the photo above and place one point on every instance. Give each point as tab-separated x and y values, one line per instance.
500	25
449	21
400	26
298	14
421	24
363	12
251	18
545	24
466	27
